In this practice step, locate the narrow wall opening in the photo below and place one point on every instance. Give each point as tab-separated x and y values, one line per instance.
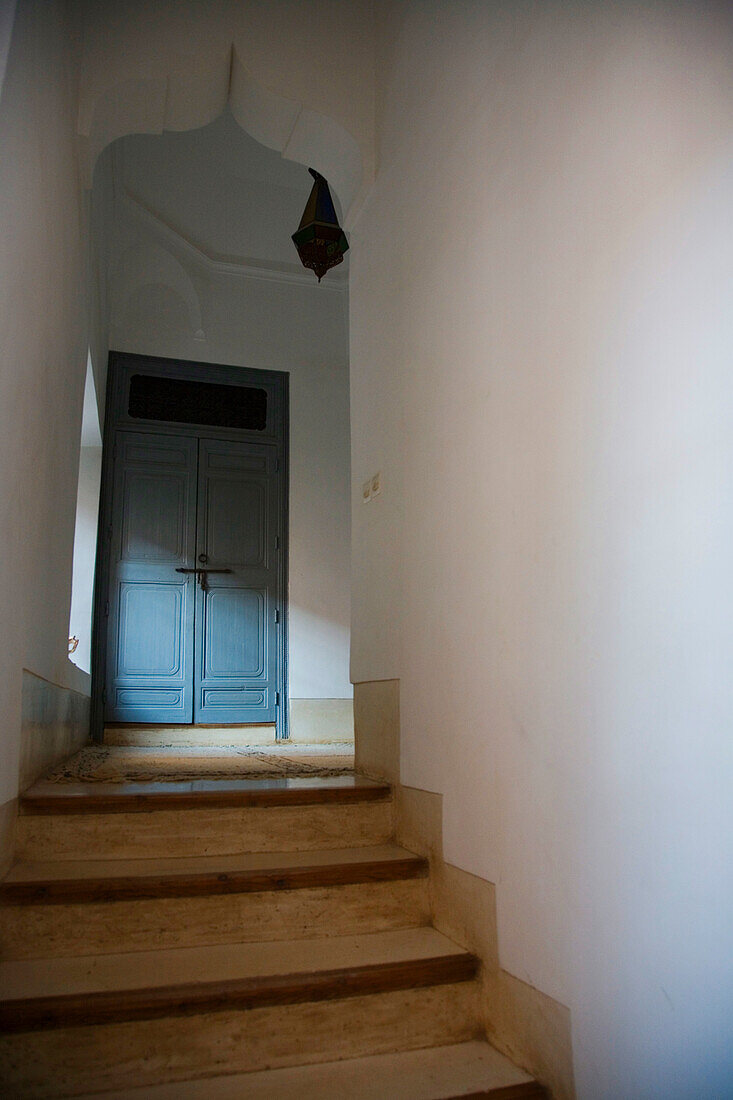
85	531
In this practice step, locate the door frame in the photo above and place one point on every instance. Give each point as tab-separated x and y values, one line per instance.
121	367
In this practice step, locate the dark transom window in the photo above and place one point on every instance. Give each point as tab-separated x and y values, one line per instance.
186	402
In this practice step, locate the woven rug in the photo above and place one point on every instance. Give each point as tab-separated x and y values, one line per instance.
113	764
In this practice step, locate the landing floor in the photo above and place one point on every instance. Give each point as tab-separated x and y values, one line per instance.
165	764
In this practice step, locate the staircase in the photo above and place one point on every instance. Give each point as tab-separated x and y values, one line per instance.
231	939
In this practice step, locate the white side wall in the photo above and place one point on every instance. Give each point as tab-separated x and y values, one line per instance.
42	361
7	17
542	338
160	300
85	554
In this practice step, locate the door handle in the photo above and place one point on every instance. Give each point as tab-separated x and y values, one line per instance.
203	570
202	574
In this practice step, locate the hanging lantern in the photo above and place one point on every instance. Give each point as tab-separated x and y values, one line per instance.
320	240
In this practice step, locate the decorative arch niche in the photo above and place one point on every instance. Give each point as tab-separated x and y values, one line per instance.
195	92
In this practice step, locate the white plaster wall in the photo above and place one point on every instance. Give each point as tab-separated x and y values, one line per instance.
7	15
541	344
42	361
85	554
161	298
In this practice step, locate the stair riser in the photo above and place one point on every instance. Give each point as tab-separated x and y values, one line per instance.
72	1061
163	833
51	931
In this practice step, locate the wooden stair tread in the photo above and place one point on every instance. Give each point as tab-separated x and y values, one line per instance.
57	992
126	879
130	970
46	797
472	1069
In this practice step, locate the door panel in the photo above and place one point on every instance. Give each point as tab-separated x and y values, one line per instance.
151	606
154	516
236	521
155	650
235	642
236	650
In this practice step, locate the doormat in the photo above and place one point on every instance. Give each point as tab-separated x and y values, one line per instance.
117	764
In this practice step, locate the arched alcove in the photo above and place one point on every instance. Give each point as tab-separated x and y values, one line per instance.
195	168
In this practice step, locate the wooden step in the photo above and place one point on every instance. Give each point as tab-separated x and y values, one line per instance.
68	1062
145	985
472	1069
350	815
91	907
55	883
94	1024
199	794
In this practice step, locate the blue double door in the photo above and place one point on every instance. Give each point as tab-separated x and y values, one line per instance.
193	604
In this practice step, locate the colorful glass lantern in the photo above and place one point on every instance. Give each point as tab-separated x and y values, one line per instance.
320	240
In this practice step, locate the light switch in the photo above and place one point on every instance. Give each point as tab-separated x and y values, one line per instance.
366	491
376	484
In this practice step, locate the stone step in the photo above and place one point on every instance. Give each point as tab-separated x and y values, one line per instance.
472	1069
131	821
124	880
144	985
189	736
117	1021
70	907
47	797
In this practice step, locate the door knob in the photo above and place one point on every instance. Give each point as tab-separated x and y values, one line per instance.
203	558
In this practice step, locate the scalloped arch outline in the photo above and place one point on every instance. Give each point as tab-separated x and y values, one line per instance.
191	96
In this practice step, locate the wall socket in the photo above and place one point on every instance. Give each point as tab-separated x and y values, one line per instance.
371	488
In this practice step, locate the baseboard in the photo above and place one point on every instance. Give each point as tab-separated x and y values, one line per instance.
319	720
8	815
523	1023
377	729
145	737
520	1021
54	724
